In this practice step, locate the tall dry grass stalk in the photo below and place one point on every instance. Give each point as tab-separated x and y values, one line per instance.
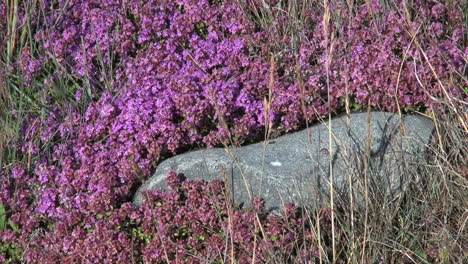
366	181
12	19
268	128
267	102
230	211
329	52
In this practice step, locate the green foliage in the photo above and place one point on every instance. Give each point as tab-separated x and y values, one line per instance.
11	251
4	222
202	29
183	233
2	217
421	255
355	106
141	236
131	229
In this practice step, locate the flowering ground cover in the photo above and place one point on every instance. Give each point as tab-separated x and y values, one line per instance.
95	93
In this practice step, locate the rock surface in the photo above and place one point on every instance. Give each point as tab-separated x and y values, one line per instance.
296	167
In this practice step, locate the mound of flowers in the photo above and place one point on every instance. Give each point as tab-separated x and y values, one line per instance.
168	76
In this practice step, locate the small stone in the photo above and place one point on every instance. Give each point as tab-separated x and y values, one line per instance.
295	168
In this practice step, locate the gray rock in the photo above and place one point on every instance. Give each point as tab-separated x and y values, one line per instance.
295	167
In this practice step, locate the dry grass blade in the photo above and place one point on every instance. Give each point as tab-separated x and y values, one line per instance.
230	211
329	52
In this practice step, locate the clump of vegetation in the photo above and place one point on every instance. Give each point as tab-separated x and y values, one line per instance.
93	94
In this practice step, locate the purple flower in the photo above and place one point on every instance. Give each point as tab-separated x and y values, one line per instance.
173	180
438	11
47	202
18	172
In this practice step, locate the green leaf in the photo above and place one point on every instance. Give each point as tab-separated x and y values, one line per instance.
356	106
2	217
444	256
421	254
13	226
